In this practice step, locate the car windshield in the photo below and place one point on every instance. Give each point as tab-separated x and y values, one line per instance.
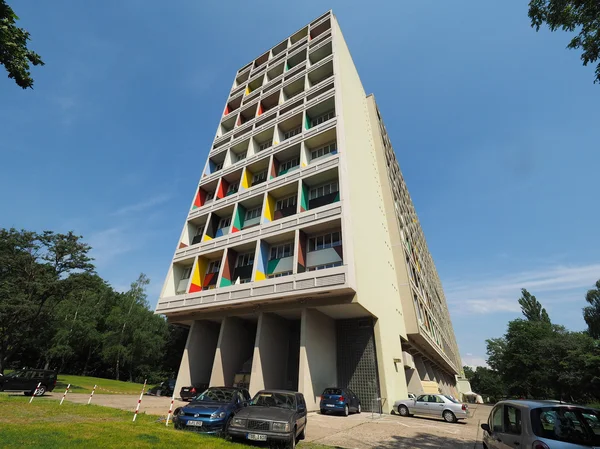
280	400
575	425
333	391
216	395
451	399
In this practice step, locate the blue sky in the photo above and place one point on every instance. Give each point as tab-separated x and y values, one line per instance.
495	126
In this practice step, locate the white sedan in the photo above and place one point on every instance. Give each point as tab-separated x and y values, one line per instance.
438	405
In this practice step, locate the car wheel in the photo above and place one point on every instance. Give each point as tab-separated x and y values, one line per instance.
346	410
292	443
359	409
403	410
40	391
449	416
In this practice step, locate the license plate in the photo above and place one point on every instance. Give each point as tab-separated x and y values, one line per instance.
194	423
330	405
257	437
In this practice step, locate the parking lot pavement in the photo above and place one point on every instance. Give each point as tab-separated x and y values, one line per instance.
151	405
394	432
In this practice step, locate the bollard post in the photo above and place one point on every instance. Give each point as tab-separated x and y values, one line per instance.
35	392
92	395
139	401
170	410
66	391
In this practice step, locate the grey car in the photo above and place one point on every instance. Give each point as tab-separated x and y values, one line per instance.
541	425
273	416
438	405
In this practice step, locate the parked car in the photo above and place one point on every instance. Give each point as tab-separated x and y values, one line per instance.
412	396
339	400
26	380
165	388
541	425
439	405
212	410
274	416
188	393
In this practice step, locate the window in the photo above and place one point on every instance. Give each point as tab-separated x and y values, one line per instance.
512	420
259	177
322	267
265	145
574	425
218	166
288	165
278	275
187	272
213	267
322	118
244	260
292	132
253	213
233	187
280	251
224	222
209	196
323	190
324	241
327	149
245	280
496	419
285	203
422	398
241	156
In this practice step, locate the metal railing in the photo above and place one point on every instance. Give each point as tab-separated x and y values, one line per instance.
377	407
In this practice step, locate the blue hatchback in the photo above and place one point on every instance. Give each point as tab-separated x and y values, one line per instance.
211	411
339	400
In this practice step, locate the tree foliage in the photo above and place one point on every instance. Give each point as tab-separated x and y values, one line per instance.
531	307
14	54
56	312
591	313
581	16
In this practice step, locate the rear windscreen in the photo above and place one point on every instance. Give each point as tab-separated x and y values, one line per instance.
333	391
569	424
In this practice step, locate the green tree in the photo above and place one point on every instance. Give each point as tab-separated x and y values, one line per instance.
14	54
591	313
487	382
469	372
531	307
581	16
35	271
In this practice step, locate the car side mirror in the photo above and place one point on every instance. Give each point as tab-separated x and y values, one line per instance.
486	427
301	408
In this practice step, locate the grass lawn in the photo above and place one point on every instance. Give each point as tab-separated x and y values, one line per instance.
45	424
83	384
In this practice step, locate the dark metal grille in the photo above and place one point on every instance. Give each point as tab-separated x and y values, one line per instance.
258	425
357	360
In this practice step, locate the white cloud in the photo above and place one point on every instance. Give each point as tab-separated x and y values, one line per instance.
491	294
142	205
473	361
109	243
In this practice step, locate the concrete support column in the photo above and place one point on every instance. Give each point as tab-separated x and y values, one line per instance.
236	340
392	380
414	382
198	355
317	356
270	353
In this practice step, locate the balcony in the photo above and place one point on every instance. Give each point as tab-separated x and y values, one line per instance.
255	174
192	234
205	194
229	184
293	89
279	48
320	29
286	161
281	203
276	257
324	250
247	114
227	125
320	113
267	103
263	140
238	266
320	190
239	152
320	74
215	164
321	146
275	72
295	60
255	84
232	106
248	213
261	60
219	224
289	128
320	53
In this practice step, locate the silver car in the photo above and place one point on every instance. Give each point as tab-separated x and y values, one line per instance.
438	405
541	425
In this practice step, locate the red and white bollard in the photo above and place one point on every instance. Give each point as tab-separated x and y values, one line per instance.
35	392
92	395
66	391
170	410
139	401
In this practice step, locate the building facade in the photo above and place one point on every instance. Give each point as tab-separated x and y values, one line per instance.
302	264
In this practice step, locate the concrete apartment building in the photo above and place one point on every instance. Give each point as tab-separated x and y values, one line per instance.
302	264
